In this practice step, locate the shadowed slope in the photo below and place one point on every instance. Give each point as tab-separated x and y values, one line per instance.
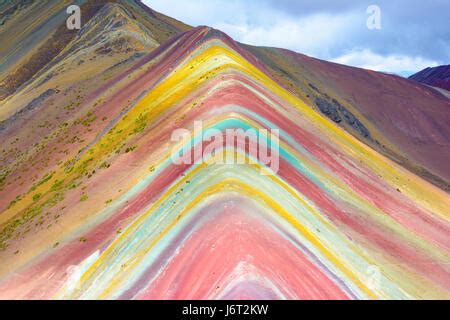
405	121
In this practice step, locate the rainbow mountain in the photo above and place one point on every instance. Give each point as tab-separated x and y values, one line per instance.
93	207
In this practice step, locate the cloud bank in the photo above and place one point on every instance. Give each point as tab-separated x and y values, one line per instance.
413	35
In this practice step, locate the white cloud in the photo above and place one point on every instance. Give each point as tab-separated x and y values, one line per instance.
400	64
202	12
312	35
340	36
260	24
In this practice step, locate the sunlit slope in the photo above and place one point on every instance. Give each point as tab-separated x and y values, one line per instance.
34	33
47	120
120	220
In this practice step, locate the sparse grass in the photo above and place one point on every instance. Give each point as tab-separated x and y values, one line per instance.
130	149
104	165
3	175
13	203
141	123
87	119
73	186
28	215
56	185
44	179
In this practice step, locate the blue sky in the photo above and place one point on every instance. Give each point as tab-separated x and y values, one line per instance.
414	34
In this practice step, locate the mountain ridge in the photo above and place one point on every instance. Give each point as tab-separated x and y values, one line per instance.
436	76
92	203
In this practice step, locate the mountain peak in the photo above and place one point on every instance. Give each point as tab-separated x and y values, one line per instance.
94	199
434	76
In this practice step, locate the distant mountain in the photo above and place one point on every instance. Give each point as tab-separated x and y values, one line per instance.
93	207
436	77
